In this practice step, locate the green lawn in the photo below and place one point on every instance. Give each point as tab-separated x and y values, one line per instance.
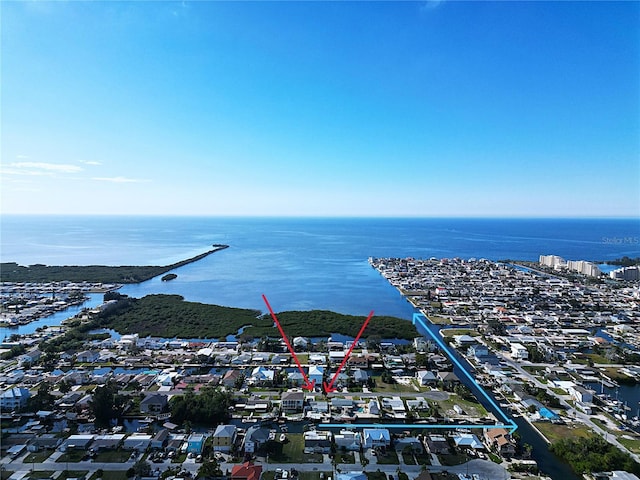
408	458
38	457
554	432
382	387
41	474
423	458
80	474
376	475
438	320
345	458
112	456
71	456
451	332
451	460
110	475
471	409
293	452
312	475
633	444
389	458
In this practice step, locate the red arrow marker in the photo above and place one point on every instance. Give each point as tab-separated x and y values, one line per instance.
307	384
328	387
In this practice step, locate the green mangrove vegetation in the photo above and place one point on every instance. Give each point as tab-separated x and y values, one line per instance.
171	316
39	273
322	323
593	454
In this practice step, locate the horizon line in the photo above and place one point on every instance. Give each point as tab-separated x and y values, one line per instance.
336	217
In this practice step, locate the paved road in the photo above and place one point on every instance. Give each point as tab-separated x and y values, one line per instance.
571	412
486	469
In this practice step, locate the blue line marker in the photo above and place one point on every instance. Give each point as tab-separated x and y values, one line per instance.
417	318
407	426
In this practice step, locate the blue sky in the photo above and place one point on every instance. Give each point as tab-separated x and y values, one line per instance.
329	108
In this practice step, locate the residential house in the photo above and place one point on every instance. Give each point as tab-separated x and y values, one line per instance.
581	394
360	376
255	437
261	376
153	404
231	377
14	398
101	375
246	471
316	374
317	359
160	439
348	439
375	437
358	361
467	440
224	438
195	443
499	441
31	356
374	407
107	441
137	441
426	378
316	441
87	356
292	401
437	444
295	378
77	442
300	344
448	379
46	441
395	405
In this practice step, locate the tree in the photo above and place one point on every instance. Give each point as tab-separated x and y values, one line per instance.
209	469
64	386
142	468
44	400
106	404
210	406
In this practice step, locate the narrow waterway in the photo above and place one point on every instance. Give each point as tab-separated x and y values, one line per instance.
548	463
55	319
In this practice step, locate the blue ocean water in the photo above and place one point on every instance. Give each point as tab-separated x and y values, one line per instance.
300	263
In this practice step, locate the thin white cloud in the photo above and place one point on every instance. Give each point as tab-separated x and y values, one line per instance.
24	172
22	157
120	180
90	162
45	167
431	5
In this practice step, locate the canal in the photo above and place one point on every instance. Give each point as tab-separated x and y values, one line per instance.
548	463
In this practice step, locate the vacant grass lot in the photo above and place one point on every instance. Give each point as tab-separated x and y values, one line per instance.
79	474
382	387
633	444
38	457
41	474
471	409
554	432
389	458
293	452
112	456
109	475
345	458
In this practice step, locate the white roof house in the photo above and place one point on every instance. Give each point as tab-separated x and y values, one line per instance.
375	437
